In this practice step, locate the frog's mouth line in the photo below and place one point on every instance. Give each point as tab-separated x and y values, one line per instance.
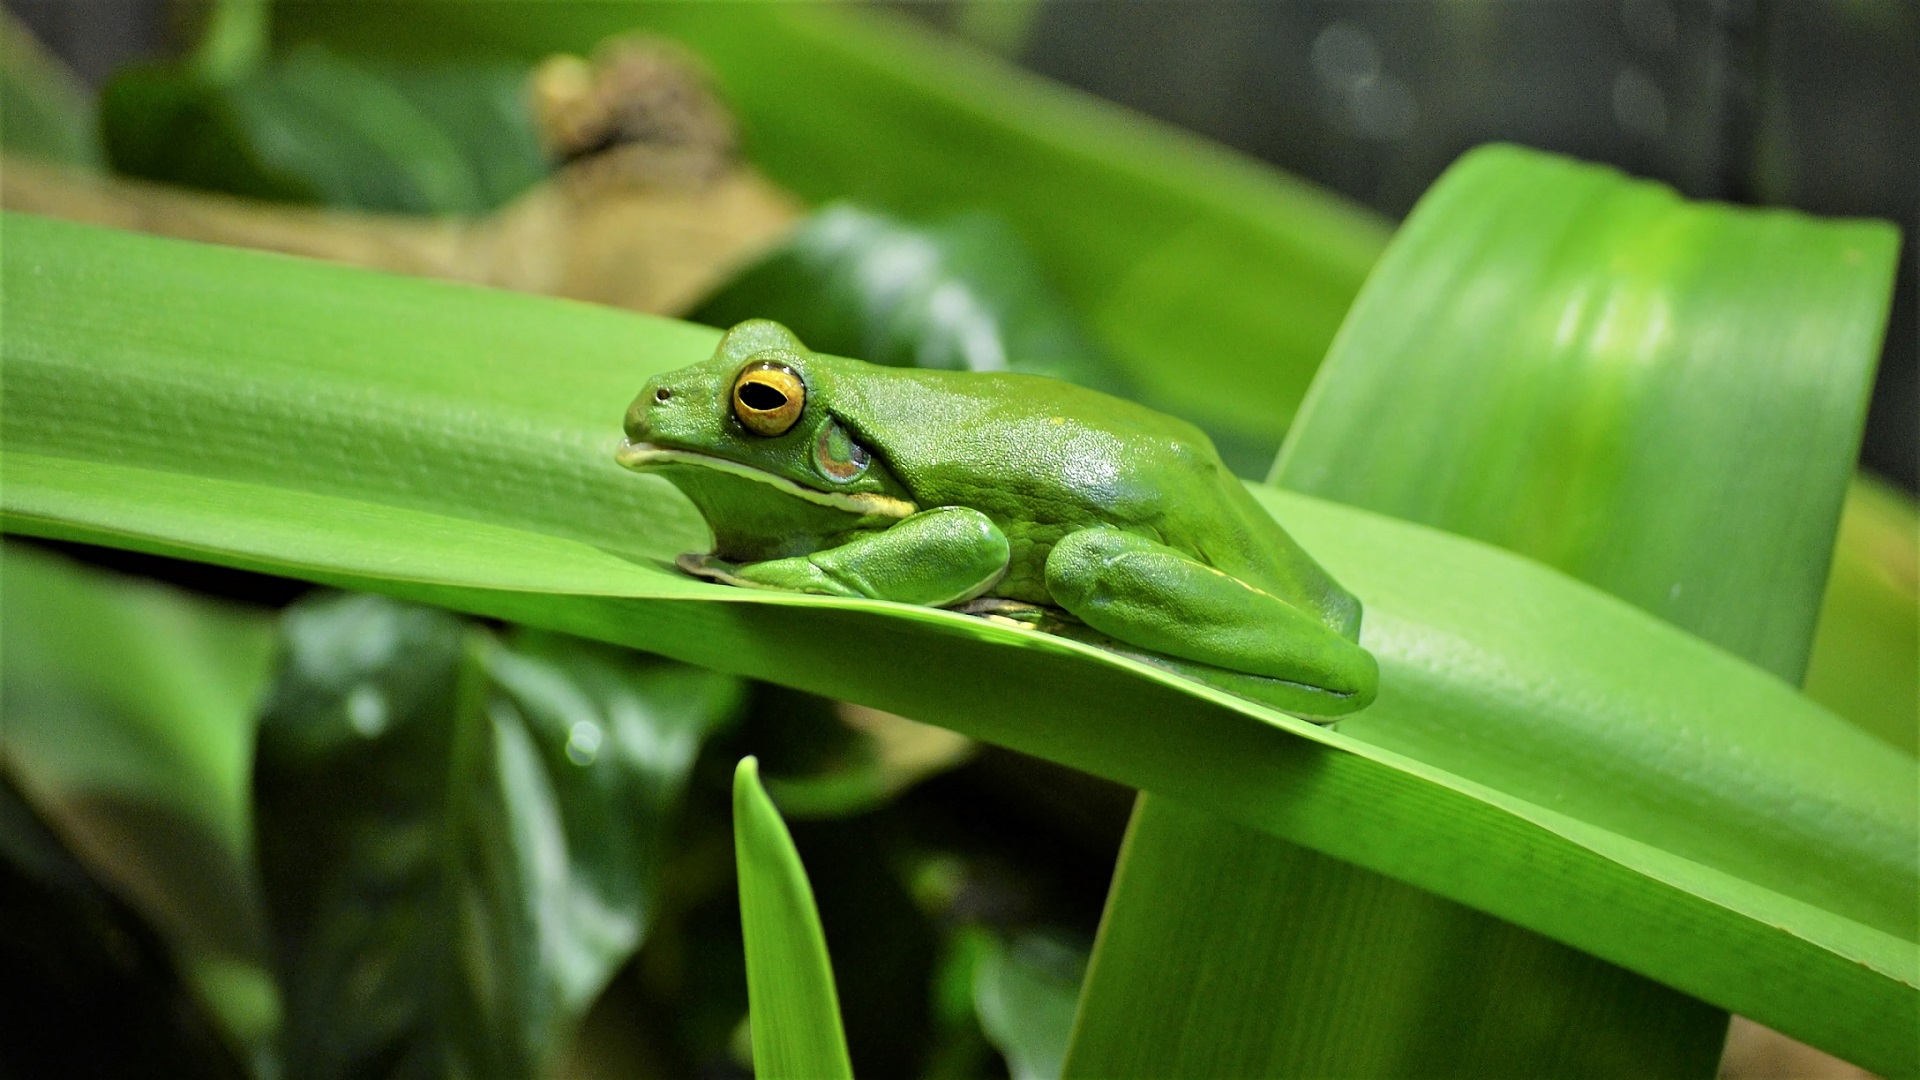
643	455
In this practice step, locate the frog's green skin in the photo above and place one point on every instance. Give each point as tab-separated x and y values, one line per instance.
986	488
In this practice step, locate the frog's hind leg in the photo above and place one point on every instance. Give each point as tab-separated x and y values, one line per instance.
1157	598
935	557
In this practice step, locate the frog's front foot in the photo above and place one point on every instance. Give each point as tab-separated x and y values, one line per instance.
934	558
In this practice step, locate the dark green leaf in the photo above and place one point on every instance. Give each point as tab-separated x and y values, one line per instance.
128	723
460	838
74	959
315	127
960	295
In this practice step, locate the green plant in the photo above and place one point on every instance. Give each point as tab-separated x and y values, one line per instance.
1549	754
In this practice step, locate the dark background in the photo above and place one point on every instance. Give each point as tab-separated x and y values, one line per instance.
1813	104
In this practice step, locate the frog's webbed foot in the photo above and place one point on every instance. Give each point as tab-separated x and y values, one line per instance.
708	568
1017	613
1192	618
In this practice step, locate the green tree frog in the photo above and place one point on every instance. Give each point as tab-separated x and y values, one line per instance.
1012	496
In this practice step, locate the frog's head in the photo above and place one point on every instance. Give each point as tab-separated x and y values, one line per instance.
751	436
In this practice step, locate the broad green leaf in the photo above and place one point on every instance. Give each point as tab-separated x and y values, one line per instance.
460	837
1339	971
453	445
126	718
1582	368
795	1015
1190	264
1677	389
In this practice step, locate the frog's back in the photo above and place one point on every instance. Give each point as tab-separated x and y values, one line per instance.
1044	458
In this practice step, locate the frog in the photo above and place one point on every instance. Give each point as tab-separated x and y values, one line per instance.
1010	496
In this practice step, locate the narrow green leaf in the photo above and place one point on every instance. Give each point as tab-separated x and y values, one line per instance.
453	445
795	1014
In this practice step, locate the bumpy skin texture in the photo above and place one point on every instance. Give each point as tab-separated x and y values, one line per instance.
1124	517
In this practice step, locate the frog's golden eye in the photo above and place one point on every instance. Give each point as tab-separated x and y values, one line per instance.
768	397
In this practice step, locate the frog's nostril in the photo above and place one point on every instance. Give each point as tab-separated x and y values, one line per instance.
662	394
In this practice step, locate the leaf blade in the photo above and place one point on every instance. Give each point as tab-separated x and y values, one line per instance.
795	1012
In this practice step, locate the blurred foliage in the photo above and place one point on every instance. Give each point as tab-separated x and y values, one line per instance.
76	960
1025	991
1213	282
45	112
314	127
126	719
461	838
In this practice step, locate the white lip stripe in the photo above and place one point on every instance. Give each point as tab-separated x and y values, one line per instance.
635	455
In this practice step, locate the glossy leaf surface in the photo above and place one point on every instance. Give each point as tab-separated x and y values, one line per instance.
795	1013
958	295
313	127
460	837
454	445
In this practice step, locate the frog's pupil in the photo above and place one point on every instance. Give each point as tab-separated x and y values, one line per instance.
859	456
760	397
